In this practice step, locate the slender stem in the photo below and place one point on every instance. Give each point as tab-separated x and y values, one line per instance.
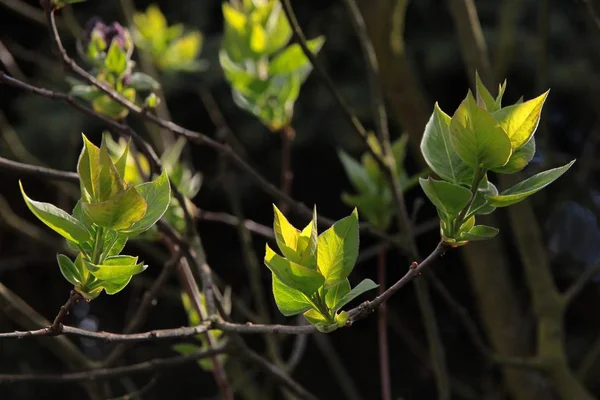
477	177
57	326
382	333
287	175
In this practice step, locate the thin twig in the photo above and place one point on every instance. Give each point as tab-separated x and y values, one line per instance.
382	332
228	219
576	288
41	172
115	372
57	325
139	393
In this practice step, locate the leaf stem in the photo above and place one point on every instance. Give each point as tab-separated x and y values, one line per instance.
477	177
98	244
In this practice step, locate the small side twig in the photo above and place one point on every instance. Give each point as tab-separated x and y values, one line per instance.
576	288
57	325
382	331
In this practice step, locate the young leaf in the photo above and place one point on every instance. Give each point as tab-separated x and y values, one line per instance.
315	317
293	275
336	292
498	102
69	270
484	98
121	163
529	186
480	204
359	289
85	92
116	59
116	268
447	197
157	195
289	300
109	181
520	121
278	29
338	249
307	243
476	136
286	235
258	39
88	166
357	174
141	81
438	152
479	232
519	159
57	219
114	242
116	285
119	212
293	59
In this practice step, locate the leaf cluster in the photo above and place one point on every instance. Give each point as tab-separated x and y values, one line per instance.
172	48
480	137
110	211
311	275
264	71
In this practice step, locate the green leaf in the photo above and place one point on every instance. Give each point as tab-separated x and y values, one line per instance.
529	186
338	249
520	121
118	213
141	81
278	29
364	286
476	136
357	174
342	318
286	235
289	300
448	197
307	243
116	285
293	275
293	58
315	317
88	166
258	39
501	89
121	163
116	59
484	98
116	268
156	195
56	219
69	270
479	232
85	92
234	18
480	205
109	181
114	242
376	208
439	153
519	159
336	292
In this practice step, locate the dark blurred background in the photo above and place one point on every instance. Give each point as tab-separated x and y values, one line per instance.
551	44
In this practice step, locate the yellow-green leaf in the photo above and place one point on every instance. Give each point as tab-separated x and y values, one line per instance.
286	235
157	195
292	274
118	213
289	300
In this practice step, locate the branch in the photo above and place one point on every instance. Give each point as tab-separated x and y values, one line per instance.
576	288
117	372
41	172
234	221
57	325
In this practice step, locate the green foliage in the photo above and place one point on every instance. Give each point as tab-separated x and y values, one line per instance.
264	72
171	47
312	275
481	136
374	197
110	211
109	48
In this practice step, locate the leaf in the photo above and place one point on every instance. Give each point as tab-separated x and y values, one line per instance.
85	92
121	163
157	196
519	159
289	300
278	29
293	275
69	270
307	243
88	166
116	268
315	318
338	249
438	151
477	137
448	197
484	98
286	235
359	289
520	121
480	205
115	286
336	292
116	59
501	89
529	186
357	174
109	181
114	242
141	81
258	39
293	58
234	18
118	213
56	219
479	232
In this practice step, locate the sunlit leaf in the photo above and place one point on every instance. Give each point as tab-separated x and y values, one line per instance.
338	249
156	195
520	121
289	300
448	197
364	286
118	213
519	158
292	274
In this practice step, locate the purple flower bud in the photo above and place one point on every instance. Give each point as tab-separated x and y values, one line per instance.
115	33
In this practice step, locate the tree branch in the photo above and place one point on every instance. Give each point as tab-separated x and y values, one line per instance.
576	288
